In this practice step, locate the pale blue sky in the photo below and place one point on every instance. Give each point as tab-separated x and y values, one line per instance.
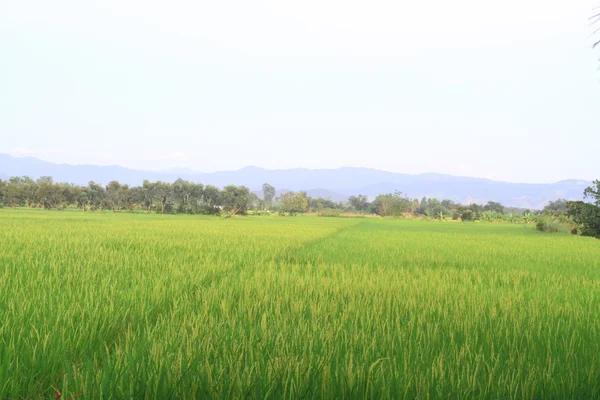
468	87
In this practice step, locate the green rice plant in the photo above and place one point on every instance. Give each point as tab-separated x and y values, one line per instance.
174	306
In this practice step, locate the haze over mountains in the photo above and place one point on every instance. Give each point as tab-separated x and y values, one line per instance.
336	184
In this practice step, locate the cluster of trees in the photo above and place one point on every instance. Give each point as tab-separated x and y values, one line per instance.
581	217
188	197
178	197
587	215
397	204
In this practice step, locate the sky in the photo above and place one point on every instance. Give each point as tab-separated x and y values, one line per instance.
503	90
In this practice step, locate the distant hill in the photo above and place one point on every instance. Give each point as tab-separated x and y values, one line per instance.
336	184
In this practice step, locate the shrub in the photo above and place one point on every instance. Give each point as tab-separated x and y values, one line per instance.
552	225
547	226
467	215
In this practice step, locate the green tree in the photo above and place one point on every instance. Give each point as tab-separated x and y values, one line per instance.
44	191
235	199
293	203
95	196
13	192
195	201
211	200
185	196
383	204
359	203
467	215
268	194
116	195
556	207
29	191
319	203
392	204
448	204
593	192
494	206
147	195
3	184
255	202
587	215
162	195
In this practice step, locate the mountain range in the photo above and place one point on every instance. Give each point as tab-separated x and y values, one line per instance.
336	184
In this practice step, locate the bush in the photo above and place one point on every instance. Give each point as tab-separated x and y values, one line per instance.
552	225
547	226
467	215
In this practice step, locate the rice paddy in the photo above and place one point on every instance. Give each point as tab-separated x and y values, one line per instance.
121	306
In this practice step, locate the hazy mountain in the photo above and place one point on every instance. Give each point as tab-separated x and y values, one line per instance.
336	184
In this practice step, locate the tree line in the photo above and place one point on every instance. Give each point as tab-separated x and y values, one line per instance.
185	197
163	197
179	197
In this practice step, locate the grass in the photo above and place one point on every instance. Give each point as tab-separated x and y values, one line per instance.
149	306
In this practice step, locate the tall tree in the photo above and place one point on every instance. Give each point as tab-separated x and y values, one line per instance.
494	206
293	203
196	198
558	206
255	202
268	194
118	195
13	192
147	195
392	204
44	191
359	202
2	189
182	192
30	188
593	192
211	200
235	199
95	196
587	215
162	195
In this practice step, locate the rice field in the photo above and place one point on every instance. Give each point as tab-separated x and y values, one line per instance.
122	306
